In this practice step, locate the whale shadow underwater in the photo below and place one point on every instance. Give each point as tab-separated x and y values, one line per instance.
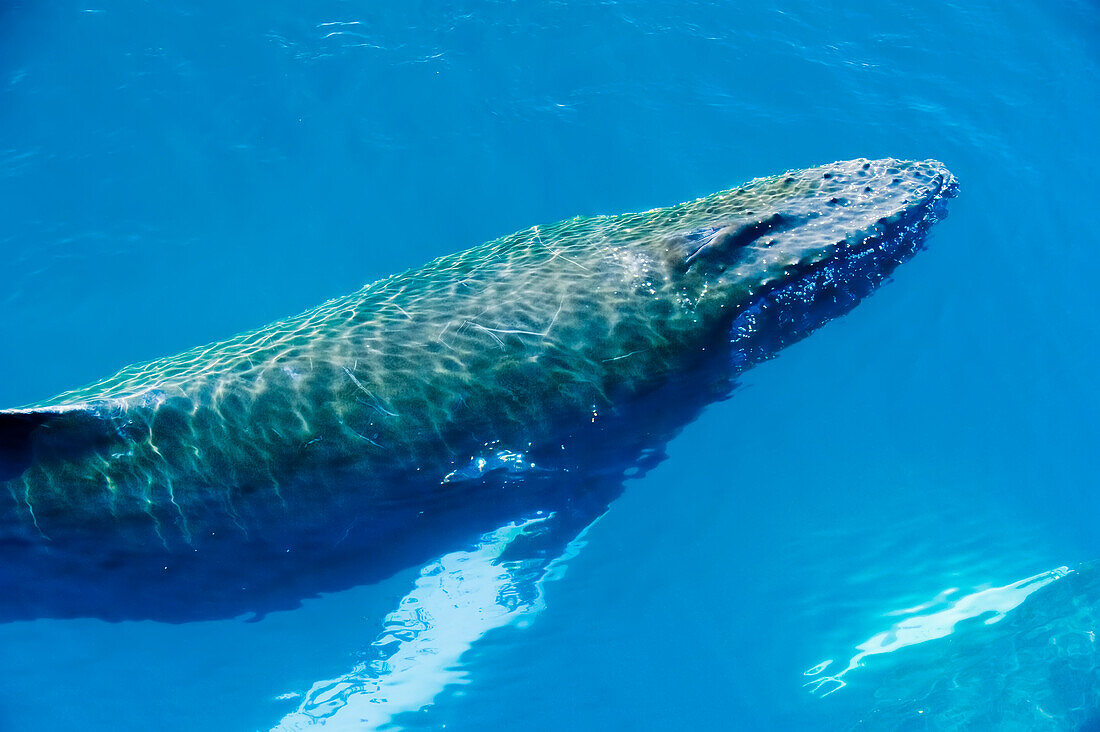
527	377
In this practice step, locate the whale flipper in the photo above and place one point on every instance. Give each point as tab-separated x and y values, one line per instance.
458	598
494	581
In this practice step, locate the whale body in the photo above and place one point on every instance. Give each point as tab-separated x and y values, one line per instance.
480	383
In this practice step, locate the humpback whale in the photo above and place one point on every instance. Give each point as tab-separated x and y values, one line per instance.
524	376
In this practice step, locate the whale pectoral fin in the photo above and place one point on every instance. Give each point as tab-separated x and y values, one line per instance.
458	599
28	434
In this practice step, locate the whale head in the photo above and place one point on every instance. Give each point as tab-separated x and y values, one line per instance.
778	257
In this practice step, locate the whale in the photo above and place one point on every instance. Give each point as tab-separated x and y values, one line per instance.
530	375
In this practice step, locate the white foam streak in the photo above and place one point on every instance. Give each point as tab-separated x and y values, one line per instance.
994	602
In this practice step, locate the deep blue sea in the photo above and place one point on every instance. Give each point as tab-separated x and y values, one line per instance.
890	526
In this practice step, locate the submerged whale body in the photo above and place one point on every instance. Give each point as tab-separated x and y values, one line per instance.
526	375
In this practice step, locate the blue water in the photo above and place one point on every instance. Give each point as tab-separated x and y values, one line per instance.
172	173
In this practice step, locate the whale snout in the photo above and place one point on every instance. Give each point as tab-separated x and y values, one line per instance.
802	218
786	223
857	200
885	188
811	244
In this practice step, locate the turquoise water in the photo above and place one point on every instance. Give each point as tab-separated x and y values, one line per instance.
888	526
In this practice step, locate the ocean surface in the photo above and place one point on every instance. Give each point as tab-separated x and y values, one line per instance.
890	526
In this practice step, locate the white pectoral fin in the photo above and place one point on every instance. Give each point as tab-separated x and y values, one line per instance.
454	602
